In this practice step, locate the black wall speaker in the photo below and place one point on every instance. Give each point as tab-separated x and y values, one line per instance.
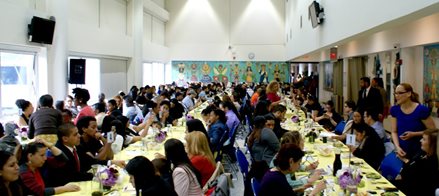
77	71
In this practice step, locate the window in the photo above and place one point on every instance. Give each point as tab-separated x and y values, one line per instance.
92	79
153	74
17	77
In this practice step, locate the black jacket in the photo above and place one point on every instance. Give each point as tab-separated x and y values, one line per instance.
68	173
373	101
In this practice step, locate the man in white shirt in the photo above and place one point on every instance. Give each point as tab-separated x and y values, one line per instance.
188	101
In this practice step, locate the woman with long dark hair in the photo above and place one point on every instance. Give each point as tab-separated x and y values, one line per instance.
196	125
262	142
419	175
186	178
9	185
144	179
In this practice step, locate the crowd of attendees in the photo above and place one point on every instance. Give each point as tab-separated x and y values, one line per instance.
71	136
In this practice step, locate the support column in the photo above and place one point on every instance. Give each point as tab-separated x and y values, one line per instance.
57	52
135	28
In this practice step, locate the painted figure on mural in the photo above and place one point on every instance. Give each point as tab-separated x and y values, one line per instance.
276	72
433	56
249	73
194	72
205	71
235	72
220	74
180	75
263	74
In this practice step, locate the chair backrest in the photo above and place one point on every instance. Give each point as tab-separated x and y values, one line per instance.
255	186
340	127
390	166
243	163
218	171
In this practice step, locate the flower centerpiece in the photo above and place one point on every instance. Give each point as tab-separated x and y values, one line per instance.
349	179
108	177
160	136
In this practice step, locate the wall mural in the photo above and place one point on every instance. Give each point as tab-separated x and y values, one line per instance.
431	68
229	71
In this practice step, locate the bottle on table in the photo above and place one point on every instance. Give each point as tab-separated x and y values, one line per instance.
337	163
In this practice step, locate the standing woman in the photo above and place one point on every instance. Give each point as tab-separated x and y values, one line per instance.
81	98
200	155
409	120
271	90
33	160
26	109
9	174
186	178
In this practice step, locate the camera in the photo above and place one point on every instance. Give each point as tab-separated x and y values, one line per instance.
396	46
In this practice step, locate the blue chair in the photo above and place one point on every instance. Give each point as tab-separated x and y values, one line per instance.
390	166
256	186
243	163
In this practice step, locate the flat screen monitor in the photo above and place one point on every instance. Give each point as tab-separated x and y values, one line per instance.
314	10
41	30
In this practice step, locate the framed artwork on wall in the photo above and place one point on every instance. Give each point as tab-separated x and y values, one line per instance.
328	83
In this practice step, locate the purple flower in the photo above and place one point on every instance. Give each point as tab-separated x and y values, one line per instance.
348	178
108	176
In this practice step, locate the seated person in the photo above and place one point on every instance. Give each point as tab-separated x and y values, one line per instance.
33	162
10	183
330	118
79	162
287	160
163	169
279	115
419	175
200	155
145	180
371	147
262	142
217	129
91	139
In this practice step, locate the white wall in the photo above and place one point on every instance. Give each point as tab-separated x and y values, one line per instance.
359	18
204	30
99	28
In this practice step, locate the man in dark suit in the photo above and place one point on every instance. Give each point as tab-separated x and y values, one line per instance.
79	162
369	97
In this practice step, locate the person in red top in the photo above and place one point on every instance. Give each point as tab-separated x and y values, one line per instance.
81	98
200	155
271	91
33	160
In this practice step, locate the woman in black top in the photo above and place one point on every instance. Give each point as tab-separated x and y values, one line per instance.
330	118
287	160
371	147
419	175
143	177
26	109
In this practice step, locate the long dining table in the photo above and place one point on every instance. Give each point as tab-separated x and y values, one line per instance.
373	182
147	147
315	151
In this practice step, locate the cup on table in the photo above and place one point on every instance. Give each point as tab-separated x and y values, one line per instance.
325	139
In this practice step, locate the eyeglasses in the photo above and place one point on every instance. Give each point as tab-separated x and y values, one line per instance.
400	93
